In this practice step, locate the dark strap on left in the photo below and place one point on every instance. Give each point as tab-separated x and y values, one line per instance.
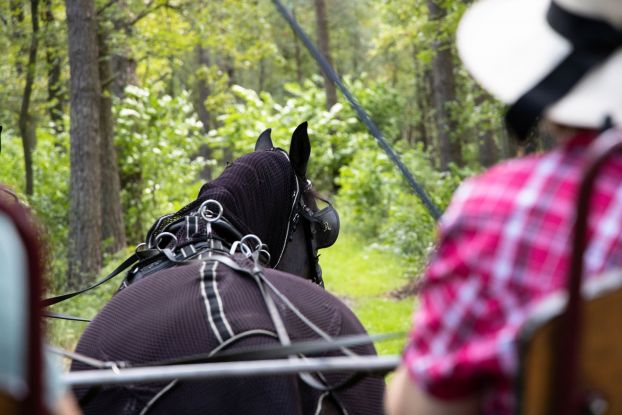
314	262
593	42
62	316
125	264
264	352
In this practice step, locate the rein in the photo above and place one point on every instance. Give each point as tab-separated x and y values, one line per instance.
363	116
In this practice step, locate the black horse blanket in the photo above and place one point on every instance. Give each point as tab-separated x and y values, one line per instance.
190	310
202	307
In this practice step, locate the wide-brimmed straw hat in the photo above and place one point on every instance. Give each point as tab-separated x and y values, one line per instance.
561	60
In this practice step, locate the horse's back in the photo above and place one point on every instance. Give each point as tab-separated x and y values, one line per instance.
205	307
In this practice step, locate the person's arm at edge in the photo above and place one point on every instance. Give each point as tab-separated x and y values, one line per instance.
403	396
67	405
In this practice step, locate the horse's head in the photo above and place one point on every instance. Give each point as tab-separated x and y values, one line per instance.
309	228
265	193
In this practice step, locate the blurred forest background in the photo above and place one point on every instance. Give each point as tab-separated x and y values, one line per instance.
116	111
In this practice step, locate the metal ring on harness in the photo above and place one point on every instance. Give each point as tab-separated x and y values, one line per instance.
210	216
248	237
259	249
246	251
159	237
207	213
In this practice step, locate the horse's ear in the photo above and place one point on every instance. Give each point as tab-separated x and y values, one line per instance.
300	149
264	142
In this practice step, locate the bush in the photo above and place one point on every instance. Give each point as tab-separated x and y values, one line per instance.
373	198
50	201
382	206
157	139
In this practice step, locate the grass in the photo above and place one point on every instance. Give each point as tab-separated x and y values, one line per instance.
360	276
364	278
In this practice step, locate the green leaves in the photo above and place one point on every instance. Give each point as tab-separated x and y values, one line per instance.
251	73
158	138
51	199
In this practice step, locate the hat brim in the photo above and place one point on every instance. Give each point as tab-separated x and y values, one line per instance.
508	47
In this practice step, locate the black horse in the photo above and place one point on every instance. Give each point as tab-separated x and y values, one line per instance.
198	297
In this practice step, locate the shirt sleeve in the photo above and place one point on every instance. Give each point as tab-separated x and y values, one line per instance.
462	334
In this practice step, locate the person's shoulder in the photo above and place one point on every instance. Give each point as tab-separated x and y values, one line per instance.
493	192
511	171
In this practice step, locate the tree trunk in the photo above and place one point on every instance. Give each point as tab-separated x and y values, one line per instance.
26	127
487	148
123	64
488	152
124	68
56	96
203	61
297	53
509	145
228	68
262	75
113	228
423	101
17	33
84	252
323	41
443	81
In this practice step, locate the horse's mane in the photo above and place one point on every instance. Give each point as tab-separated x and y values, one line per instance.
256	192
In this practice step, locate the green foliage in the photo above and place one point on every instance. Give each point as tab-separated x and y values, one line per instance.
258	75
50	201
384	208
65	333
157	141
333	137
346	160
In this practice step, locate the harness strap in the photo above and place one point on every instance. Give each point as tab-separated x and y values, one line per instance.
124	265
227	261
140	256
302	317
63	316
274	352
275	316
310	242
87	360
245	354
281	331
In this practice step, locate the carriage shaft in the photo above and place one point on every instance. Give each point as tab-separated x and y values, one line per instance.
231	369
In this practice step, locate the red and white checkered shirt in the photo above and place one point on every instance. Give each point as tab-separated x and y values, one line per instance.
504	244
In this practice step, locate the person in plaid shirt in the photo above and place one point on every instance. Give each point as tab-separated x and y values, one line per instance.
504	241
